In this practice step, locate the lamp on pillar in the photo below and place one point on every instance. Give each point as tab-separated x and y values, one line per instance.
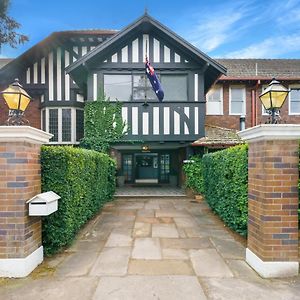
273	98
17	100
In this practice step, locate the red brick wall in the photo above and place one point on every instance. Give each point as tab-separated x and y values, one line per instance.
273	200
20	180
233	122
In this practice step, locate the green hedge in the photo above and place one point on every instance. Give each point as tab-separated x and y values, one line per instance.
84	179
194	174
225	179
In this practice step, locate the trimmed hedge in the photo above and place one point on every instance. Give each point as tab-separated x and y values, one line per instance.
194	174
85	180
225	179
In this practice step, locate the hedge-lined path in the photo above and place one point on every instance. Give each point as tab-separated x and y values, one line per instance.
151	248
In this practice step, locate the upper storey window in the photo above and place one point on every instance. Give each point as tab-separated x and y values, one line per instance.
142	88
214	101
294	100
175	87
136	87
237	100
118	87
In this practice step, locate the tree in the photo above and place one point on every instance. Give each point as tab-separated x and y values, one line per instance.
8	27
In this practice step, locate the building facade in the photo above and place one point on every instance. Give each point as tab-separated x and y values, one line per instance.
69	68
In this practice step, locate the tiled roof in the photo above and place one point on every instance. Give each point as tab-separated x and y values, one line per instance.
88	31
218	137
261	68
4	61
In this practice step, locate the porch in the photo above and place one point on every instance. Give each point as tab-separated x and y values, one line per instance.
131	190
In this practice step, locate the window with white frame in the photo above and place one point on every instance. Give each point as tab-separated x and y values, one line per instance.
264	112
237	100
294	100
214	101
66	124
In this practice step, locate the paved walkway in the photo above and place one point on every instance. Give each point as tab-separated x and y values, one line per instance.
164	249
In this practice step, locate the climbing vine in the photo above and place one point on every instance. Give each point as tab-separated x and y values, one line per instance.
103	124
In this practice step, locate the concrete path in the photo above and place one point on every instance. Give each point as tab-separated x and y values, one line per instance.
168	248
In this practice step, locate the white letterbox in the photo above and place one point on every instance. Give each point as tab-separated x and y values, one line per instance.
43	204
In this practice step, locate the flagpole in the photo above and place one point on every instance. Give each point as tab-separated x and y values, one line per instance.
146	59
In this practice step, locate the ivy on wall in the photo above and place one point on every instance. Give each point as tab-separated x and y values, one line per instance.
103	125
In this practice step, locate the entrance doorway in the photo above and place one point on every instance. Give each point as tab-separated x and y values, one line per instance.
146	167
141	167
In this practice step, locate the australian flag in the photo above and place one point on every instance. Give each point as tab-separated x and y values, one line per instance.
154	81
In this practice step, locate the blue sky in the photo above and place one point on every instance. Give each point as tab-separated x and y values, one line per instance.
232	28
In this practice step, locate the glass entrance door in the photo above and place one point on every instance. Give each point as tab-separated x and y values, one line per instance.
146	167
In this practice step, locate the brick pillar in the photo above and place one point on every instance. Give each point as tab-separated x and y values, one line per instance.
273	167
20	179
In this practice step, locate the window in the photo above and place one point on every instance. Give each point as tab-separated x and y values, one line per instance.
141	88
53	124
237	100
294	100
118	87
66	124
263	110
175	87
214	101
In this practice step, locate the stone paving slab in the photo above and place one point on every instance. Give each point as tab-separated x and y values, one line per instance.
245	289
76	288
229	248
160	267
175	254
141	230
149	288
164	231
208	263
146	248
78	264
112	261
118	240
188	243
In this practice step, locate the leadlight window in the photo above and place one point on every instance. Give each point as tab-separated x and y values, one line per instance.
237	101
118	87
214	101
127	167
53	124
294	100
175	87
66	125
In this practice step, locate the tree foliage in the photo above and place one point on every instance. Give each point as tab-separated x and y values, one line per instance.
8	27
103	125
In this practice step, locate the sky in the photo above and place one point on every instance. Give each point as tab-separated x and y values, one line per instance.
221	29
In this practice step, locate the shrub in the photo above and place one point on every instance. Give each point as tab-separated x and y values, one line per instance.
194	174
225	178
84	179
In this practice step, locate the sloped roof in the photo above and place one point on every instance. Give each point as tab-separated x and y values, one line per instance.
218	137
261	68
15	66
4	61
213	68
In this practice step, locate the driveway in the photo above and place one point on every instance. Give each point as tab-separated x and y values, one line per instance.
151	248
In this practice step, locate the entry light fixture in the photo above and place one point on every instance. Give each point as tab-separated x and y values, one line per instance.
145	148
273	98
17	100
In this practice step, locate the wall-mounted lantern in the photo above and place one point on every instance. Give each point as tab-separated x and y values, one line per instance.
273	98
17	100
